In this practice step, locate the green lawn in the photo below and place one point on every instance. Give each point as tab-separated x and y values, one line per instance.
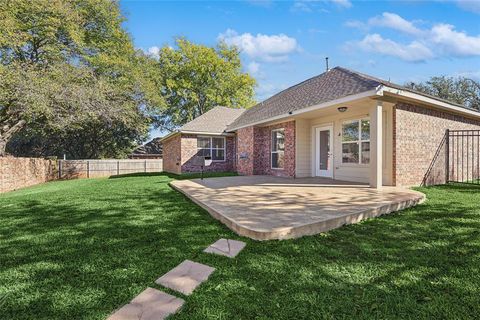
79	249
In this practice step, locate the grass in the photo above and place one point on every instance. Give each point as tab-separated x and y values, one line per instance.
80	249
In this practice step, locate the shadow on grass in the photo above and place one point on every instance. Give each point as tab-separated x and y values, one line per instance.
83	254
195	175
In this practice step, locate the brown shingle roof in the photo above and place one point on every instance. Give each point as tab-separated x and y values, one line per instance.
215	120
334	84
331	85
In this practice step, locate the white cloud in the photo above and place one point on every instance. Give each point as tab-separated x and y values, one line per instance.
266	90
269	48
455	42
154	51
413	52
469	5
343	3
438	41
394	21
253	68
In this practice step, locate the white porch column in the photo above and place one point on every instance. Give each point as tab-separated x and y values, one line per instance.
376	154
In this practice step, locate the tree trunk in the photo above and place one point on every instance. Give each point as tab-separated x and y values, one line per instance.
6	133
3	146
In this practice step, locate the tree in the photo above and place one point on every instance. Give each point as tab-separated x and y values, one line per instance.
197	78
460	90
69	72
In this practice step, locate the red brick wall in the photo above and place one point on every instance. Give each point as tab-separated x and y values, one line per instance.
418	134
245	151
172	155
189	152
255	145
263	144
18	173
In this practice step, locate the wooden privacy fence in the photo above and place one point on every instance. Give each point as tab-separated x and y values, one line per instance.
71	169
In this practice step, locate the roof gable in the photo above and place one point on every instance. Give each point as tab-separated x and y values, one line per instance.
215	120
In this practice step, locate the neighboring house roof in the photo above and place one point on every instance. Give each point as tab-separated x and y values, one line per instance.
214	121
331	85
153	147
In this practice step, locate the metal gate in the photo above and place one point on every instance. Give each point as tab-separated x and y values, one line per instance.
463	156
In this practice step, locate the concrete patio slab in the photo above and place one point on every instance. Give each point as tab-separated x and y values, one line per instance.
151	304
226	247
267	207
185	277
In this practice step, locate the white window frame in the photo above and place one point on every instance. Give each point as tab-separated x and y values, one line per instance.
212	148
358	141
271	149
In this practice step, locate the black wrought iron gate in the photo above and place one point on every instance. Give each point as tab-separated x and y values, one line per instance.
462	161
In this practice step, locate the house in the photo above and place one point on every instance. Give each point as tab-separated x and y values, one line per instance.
150	150
340	124
204	136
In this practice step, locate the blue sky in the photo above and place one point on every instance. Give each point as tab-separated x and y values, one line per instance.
284	43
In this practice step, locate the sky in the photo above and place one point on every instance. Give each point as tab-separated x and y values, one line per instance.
285	42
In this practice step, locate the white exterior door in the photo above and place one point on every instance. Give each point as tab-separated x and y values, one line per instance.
324	151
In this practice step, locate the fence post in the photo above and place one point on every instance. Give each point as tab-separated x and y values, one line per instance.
88	169
59	169
118	167
145	166
447	160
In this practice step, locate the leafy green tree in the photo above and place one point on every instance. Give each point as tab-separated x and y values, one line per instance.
69	73
197	78
460	90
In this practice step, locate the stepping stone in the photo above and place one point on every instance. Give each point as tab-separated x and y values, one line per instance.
226	247
185	277
151	304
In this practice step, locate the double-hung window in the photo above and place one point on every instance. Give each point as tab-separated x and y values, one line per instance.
356	141
278	148
211	147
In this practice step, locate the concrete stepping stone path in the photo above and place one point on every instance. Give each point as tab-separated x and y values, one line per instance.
226	247
151	304
185	277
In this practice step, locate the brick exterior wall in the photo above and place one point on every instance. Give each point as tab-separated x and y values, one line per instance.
418	153
245	151
189	152
16	173
254	147
172	155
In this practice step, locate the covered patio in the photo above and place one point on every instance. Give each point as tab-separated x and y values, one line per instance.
268	207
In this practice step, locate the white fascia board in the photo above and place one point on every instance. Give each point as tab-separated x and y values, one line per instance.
207	133
431	101
204	133
353	97
170	135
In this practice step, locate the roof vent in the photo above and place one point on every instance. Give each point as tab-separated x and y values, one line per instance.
326	65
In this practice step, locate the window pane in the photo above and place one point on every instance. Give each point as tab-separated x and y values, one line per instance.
366	152
350	152
278	140
218	154
277	160
365	129
203	142
350	131
203	153
218	143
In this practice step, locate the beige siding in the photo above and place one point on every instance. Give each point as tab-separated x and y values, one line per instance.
303	145
353	172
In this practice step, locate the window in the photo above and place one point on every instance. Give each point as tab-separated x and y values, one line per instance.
211	147
356	141
278	148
